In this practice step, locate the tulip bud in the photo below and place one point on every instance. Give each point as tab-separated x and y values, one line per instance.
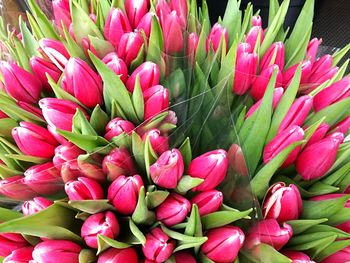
130	45
10	242
253	34
156	100
281	141
159	143
319	134
19	83
53	250
215	36
208	202
61	11
256	21
123	193
36	205
290	72
82	82
173	210
145	23
163	11
297	113
223	243
149	76
158	246
30	108
115	255
236	160
172	31
274	55
312	49
55	51
20	255
84	189
339	256
334	93
211	166
343	126
136	11
117	126
15	188
268	231
184	257
116	25
91	166
315	160
117	65
297	257
104	223
192	43
180	6
41	67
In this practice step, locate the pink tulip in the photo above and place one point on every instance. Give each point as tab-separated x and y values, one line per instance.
116	25
281	141
334	93
236	160
159	143
30	108
84	189
10	242
145	23
149	76
163	11
215	36
123	193
41	67
343	126
158	246
192	43
104	223
20	255
117	126
172	33
54	250
339	256
276	51
223	244
156	100
115	255
173	210
256	21
55	51
117	65
19	83
136	11
180	6
319	134
15	188
289	73
36	205
253	34
61	11
91	167
315	160
208	202
312	49
130	45
211	166
297	257
83	83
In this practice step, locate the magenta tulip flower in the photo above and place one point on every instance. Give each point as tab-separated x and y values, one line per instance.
10	242
256	20
208	201
163	10
192	44
149	76
312	49
159	143
20	255
252	36
181	8
215	36
30	108
115	255
158	246
156	100
84	189
117	126
319	134
297	257
130	45
145	23
34	206
15	188
116	25
136	10
289	73
117	65
53	250
55	51
274	55
61	11
184	257
339	256
41	67
343	126
172	32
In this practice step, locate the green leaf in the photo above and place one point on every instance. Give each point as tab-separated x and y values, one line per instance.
186	245
91	206
311	130
150	156
106	242
232	20
87	256
6	172
186	152
194	224
186	183
332	248
154	199
155	47
72	47
101	46
273	9
141	214
29	42
319	243
201	47
181	237
38	34
301	225
137	99
27	158
138	150
99	120
9	214
267	254
222	218
337	56
6	126
23	59
137	232
81	125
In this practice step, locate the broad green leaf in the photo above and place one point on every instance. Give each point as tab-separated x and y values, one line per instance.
154	199
186	183
22	54
187	245
38	34
194	224
337	56
6	172
273	9
155	47
141	214
301	225
9	214
150	156
99	119
137	232
222	218
181	237
267	254
319	243
81	125
87	256
332	248
137	99
101	46
232	20
201	48
6	126
91	206
106	242
27	158
138	150
72	47
30	43
186	152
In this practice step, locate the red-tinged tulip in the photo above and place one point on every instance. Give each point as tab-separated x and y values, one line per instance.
290	72
20	255
297	113
344	226
329	197
149	76
10	242
256	21
145	23
130	45
15	188
297	257
44	179
136	10
55	51
84	189
104	223
339	256
269	232
215	36
82	82
312	49
208	202
19	83
315	160
156	100
173	210
41	67
181	8
115	255
117	126
116	25
59	113
274	55
61	11
163	10
236	160
118	162
281	141
30	108
277	95
36	205
319	134
343	126
336	92
223	244
123	193
56	250
158	246
184	257
282	203
172	32
117	65
159	143
3	115
87	46
253	34
211	166
91	167
192	43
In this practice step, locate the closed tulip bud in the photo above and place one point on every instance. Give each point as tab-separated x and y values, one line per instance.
19	83
192	44
117	126
123	193
115	255
290	72
319	134
256	21
269	232
253	34
315	160
149	76
159	143
87	46
55	51
158	246
173	210
163	10
59	113
172	32
184	257
130	46
339	256
211	166
274	55
312	49
117	65
91	166
20	255
36	205
236	160
297	257
343	126
15	188
30	108
215	36
208	202
145	23
181	8
104	223
281	141
53	250
223	244
116	25
61	11
84	189
156	100
10	242
336	92
297	113
41	67
136	11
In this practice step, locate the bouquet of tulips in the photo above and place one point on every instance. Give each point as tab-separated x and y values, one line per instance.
136	131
